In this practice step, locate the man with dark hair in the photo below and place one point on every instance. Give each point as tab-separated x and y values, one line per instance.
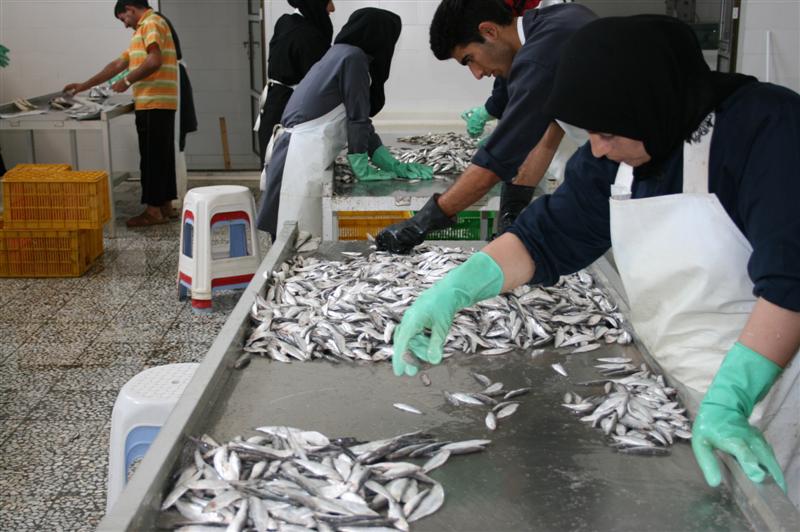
484	36
153	72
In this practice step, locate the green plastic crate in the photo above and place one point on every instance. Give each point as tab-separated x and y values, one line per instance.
468	227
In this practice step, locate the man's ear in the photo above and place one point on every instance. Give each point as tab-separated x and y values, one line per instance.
489	30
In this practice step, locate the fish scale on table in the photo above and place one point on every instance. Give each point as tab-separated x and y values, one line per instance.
348	309
287	477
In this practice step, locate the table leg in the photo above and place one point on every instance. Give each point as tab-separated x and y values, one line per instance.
73	146
105	131
33	146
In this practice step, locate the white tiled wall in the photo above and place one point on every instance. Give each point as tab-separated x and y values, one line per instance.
781	18
53	43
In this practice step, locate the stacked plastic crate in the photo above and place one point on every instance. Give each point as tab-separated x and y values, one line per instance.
52	223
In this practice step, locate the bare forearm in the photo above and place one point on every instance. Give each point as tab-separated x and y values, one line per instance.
471	186
773	332
538	160
108	72
512	256
150	65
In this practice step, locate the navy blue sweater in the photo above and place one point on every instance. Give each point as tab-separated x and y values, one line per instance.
754	170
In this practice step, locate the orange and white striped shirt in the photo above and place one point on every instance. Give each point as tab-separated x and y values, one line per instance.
159	90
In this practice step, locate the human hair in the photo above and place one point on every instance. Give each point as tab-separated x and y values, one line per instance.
120	6
456	23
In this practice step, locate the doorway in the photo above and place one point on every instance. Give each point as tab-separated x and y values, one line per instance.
224	53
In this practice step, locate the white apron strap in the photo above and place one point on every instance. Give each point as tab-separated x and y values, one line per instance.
621	189
695	159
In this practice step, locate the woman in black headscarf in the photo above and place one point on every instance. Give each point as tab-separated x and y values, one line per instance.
329	110
299	40
692	176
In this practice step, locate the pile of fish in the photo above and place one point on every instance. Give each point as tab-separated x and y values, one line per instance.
348	309
447	153
291	479
637	411
493	395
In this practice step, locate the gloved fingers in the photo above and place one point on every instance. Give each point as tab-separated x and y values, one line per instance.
765	456
410	326
704	454
419	346
466	114
474	131
746	458
439	333
420	171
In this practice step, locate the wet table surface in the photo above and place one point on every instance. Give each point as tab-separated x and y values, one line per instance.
544	470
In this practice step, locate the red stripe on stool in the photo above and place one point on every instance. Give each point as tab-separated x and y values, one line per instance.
238	279
183	277
201	303
227	216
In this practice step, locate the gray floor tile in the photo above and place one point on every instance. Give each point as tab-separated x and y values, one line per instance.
73	513
184	331
92	378
16	403
20	511
22	375
12	335
48	355
134	332
75	405
68	330
7	429
177	352
110	354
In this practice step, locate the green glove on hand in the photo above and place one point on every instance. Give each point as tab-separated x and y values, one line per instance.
743	380
384	160
4	56
359	162
476	119
477	279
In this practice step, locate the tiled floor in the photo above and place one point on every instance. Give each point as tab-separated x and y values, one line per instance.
66	348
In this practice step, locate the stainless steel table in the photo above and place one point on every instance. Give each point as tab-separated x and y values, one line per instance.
544	470
60	121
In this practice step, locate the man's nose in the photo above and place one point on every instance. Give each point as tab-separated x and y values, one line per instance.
476	71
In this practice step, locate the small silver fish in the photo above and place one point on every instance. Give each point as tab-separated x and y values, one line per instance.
407	408
558	368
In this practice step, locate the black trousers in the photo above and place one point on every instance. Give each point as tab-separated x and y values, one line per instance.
156	129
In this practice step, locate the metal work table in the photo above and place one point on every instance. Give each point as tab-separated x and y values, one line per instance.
394	195
59	121
544	470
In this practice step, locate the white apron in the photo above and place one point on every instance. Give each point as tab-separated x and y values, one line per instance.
683	263
313	147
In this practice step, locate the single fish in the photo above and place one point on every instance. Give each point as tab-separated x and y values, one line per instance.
407	408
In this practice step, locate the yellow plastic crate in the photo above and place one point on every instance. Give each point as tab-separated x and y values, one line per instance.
94	243
34	199
354	225
45	253
28	169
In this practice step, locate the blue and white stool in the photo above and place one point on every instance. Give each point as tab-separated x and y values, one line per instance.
143	405
204	268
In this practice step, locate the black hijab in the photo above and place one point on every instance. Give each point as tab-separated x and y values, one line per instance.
316	12
375	31
641	77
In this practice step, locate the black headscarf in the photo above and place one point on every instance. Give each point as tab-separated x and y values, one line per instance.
641	77
316	12
375	31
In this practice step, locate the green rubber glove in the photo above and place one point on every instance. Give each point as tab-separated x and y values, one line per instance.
743	379
118	77
4	56
383	159
476	119
477	279
359	162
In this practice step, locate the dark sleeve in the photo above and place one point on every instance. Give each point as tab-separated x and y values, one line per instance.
354	85
497	101
525	122
568	230
768	203
309	51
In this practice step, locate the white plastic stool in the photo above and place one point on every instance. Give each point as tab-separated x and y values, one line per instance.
141	408
200	273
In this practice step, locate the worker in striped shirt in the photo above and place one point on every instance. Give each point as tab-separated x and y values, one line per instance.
152	67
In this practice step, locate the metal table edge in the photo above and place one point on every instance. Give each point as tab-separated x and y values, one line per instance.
142	495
